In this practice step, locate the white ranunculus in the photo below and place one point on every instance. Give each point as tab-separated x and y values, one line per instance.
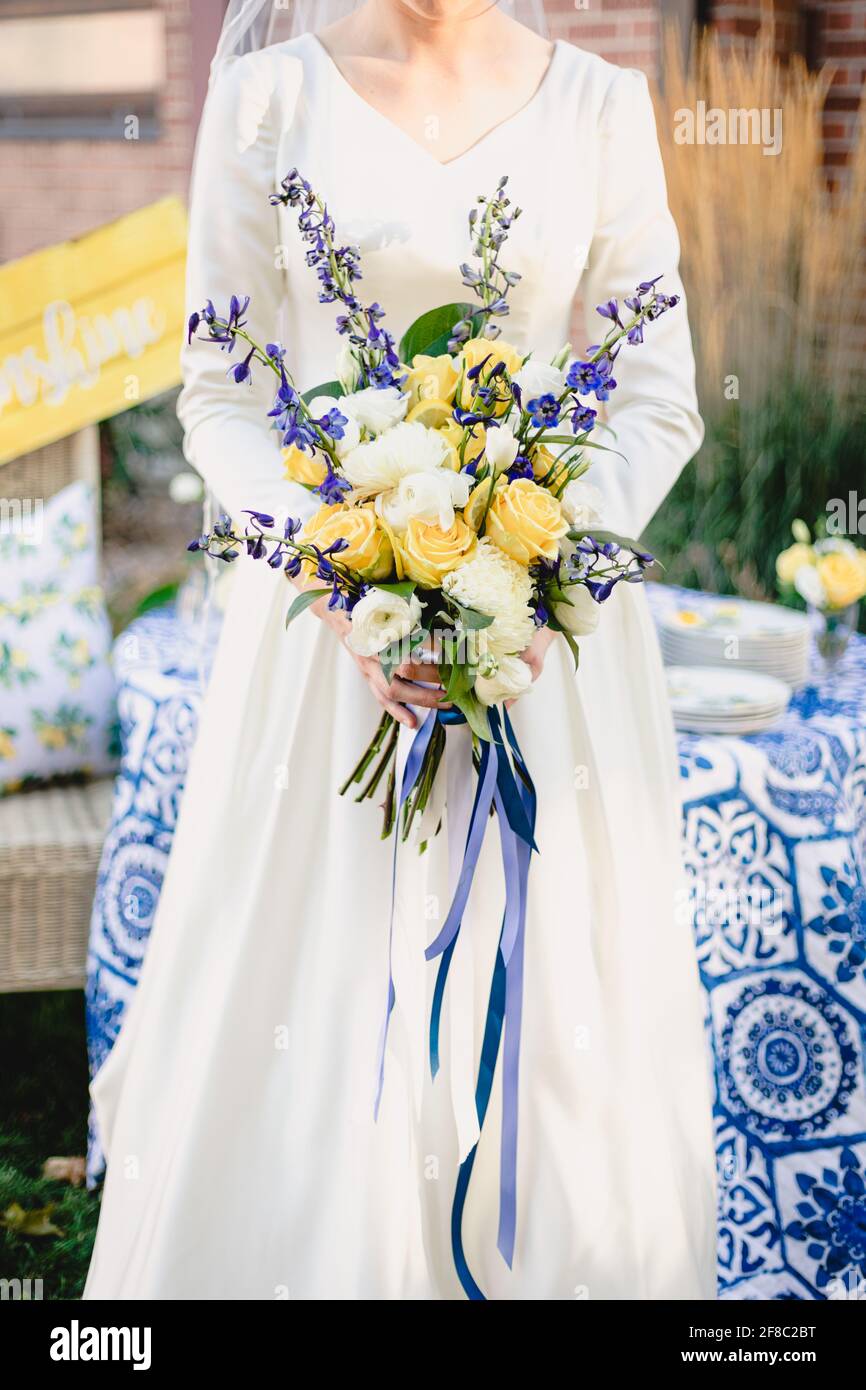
376	408
380	618
582	504
511	678
492	583
539	379
320	405
580	616
379	464
430	496
809	585
500	448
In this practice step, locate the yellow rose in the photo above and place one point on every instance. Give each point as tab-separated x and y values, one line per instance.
426	553
525	521
368	551
793	559
303	468
7	747
430	378
843	575
473	353
454	434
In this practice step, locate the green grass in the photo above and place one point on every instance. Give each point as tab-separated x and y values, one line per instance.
43	1113
730	513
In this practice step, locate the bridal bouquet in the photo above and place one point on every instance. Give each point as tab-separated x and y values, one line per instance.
455	519
455	515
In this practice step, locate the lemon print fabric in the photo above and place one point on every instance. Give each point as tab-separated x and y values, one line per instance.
57	692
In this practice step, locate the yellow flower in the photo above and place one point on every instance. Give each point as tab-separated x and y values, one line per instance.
843	574
7	747
426	553
368	551
52	736
19	659
430	378
525	521
794	558
473	353
454	434
542	462
303	468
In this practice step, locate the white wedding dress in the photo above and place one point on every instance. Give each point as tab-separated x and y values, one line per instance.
237	1105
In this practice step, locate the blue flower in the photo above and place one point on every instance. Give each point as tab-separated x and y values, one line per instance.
582	378
544	411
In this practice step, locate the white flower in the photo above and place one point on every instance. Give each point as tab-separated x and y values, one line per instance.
580	616
835	545
511	678
375	408
380	618
492	583
539	379
500	448
430	496
321	405
582	504
379	464
186	487
809	585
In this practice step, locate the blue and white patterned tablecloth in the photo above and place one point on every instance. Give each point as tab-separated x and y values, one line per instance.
774	838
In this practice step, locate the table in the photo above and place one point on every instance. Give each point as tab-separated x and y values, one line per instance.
774	843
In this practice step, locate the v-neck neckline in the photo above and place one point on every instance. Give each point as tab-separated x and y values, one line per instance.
403	135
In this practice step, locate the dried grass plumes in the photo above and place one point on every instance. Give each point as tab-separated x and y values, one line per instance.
772	262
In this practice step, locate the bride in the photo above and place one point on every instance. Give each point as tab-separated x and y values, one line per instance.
244	1161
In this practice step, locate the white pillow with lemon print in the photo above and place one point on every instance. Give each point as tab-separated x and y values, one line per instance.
57	693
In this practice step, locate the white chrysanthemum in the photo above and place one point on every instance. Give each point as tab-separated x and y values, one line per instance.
492	583
379	464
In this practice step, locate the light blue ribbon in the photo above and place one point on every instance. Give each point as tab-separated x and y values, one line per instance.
515	802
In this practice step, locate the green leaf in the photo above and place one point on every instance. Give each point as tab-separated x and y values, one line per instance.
604	536
476	714
329	388
404	587
470	617
302	603
570	642
156	598
429	334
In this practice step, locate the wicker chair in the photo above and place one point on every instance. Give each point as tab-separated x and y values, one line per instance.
51	838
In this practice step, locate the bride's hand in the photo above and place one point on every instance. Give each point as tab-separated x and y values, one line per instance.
535	653
399	694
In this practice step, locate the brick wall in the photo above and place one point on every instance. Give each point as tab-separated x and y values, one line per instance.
822	31
54	189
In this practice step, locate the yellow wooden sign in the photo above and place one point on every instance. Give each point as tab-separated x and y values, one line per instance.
91	327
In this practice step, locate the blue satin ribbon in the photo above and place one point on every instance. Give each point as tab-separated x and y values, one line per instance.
515	801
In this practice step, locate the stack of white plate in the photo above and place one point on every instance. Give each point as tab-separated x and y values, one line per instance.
737	633
713	701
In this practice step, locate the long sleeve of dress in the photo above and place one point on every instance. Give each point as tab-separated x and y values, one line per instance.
233	249
653	411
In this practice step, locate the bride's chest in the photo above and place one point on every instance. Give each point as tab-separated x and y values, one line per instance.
409	216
